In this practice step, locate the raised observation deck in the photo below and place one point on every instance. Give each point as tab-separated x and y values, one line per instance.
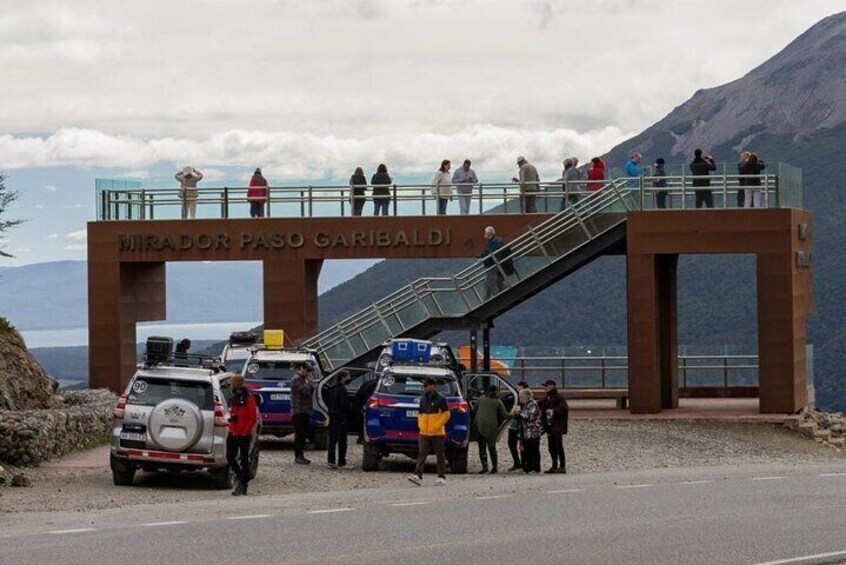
136	235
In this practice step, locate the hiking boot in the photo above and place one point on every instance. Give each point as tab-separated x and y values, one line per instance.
551	470
562	470
239	489
493	471
483	471
416	479
514	468
331	465
302	461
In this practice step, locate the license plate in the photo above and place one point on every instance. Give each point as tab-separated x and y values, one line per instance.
411	414
280	397
132	436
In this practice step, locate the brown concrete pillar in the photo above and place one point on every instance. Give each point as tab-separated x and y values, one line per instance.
783	303
652	332
119	295
667	267
643	335
290	295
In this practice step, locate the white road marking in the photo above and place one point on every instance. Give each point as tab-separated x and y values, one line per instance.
805	558
696	482
253	517
634	486
419	503
767	478
494	496
78	531
172	523
565	491
832	475
331	510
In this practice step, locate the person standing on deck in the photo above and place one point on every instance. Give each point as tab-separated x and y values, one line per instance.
464	178
529	181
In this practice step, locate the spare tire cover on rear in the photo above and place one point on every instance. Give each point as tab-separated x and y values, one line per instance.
175	424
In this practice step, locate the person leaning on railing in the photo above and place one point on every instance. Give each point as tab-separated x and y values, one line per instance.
381	182
257	194
529	181
358	184
660	182
741	192
596	174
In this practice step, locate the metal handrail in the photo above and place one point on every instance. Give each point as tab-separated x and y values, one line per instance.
529	243
117	203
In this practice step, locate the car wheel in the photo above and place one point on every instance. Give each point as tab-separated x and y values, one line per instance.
371	458
458	463
321	439
222	477
123	473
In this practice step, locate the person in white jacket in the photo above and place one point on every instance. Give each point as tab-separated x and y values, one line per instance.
188	178
442	187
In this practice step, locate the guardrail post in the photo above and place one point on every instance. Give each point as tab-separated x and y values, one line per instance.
302	204
563	373
422	202
684	372
725	187
602	366
152	207
128	205
505	198
342	200
310	201
683	194
224	205
104	205
481	199
143	204
642	192
778	191
725	372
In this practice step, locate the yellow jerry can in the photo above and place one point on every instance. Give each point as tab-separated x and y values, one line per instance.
274	339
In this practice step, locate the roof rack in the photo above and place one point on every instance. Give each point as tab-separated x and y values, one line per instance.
187	360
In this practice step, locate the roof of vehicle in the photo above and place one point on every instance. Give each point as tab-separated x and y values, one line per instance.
175	372
283	355
425	370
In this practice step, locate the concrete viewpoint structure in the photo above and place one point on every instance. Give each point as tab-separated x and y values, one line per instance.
126	278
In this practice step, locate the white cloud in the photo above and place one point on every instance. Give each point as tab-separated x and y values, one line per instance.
50	188
76	247
290	155
39	206
52	236
80	235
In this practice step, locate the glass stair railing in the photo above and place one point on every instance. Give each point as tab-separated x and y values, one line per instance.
460	295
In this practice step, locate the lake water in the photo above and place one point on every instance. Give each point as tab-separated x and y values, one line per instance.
79	336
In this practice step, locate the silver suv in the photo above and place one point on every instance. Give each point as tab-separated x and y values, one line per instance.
174	418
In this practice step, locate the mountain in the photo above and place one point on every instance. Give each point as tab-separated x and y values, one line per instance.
55	295
792	108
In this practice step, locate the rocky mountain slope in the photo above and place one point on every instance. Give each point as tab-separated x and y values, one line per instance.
792	108
23	383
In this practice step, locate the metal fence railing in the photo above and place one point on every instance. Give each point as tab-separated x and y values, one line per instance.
132	200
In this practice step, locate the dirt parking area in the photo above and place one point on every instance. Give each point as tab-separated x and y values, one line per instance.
593	446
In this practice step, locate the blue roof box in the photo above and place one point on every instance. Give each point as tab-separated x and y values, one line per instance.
411	350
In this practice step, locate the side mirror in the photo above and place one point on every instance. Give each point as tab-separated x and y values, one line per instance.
462	367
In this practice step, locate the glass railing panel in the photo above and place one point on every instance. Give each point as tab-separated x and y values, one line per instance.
393	323
412	314
527	265
566	242
451	302
373	335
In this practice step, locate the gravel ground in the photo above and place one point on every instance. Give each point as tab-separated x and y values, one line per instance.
592	447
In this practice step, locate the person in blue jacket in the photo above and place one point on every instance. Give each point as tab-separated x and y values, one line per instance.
634	170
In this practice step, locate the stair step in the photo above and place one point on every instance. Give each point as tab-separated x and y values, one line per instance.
793	422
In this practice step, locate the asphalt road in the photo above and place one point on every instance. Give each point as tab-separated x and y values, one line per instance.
727	515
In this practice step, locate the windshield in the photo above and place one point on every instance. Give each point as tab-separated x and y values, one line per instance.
412	385
270	370
235	364
149	391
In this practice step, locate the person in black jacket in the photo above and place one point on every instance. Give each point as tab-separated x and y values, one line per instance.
381	182
660	182
358	183
700	168
755	196
338	402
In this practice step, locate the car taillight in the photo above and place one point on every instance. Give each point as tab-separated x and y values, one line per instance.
220	419
373	403
460	406
120	407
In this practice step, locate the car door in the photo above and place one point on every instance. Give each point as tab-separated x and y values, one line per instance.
360	375
477	383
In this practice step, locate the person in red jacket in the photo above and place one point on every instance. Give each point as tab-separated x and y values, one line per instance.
257	194
243	417
596	174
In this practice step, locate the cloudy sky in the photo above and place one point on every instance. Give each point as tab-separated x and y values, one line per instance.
310	89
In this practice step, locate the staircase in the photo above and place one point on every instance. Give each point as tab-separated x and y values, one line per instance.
541	256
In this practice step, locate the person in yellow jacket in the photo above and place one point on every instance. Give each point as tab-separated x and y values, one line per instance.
432	417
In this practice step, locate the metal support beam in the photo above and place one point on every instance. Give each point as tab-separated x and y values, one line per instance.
486	348
474	351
